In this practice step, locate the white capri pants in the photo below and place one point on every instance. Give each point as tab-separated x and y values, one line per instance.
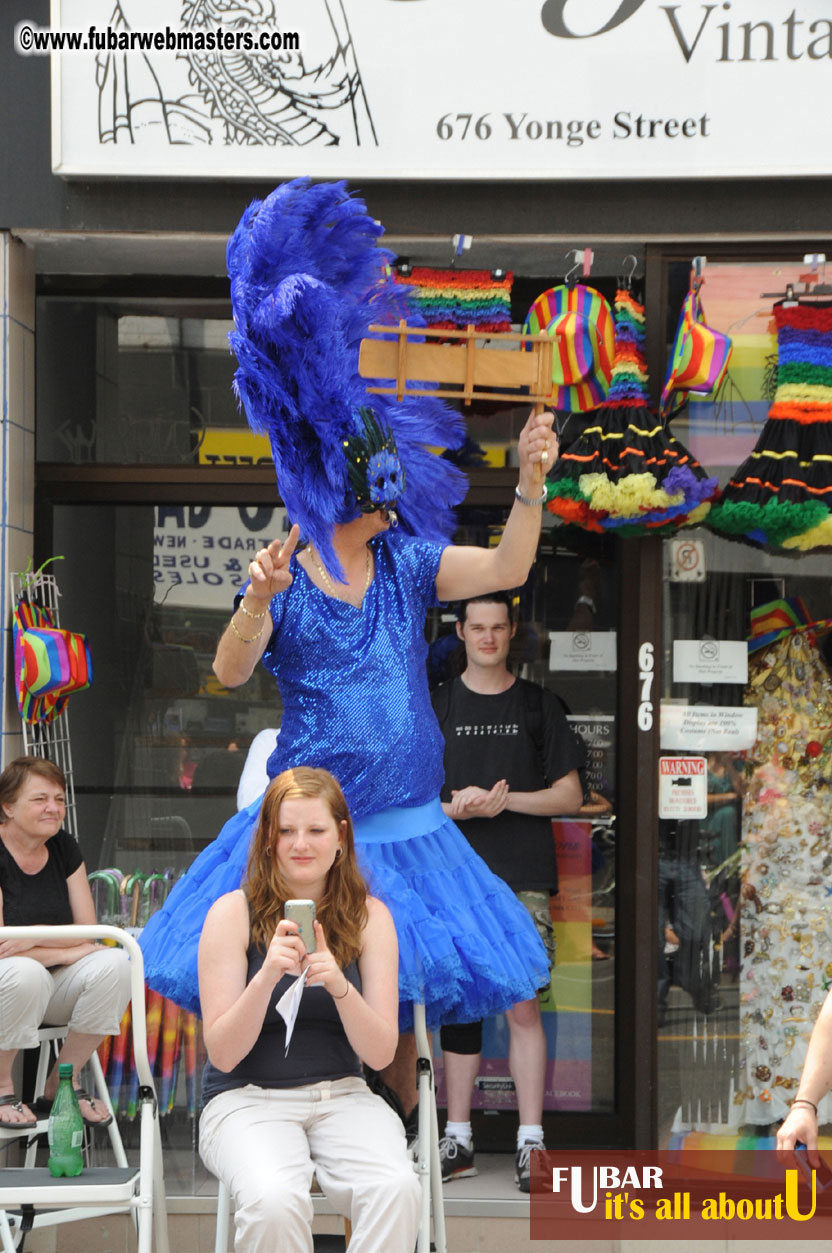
265	1143
90	996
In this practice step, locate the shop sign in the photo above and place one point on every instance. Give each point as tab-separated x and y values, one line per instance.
201	553
582	650
707	728
481	89
598	734
683	787
710	661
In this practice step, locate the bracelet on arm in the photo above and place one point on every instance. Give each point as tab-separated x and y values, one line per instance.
802	1100
531	500
254	616
246	639
343	994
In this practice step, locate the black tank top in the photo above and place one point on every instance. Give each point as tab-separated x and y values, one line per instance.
319	1048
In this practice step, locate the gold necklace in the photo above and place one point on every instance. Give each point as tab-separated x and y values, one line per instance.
328	581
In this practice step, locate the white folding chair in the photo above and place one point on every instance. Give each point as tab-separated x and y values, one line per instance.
50	1039
428	1165
137	1190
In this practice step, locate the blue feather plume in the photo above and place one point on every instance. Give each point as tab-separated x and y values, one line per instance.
307	281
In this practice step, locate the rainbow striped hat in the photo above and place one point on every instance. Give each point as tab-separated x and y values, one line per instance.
699	358
581	321
777	618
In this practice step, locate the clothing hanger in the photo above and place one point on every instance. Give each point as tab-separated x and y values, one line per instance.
624	280
570	277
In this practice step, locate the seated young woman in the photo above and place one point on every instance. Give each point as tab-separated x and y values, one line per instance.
273	1114
43	881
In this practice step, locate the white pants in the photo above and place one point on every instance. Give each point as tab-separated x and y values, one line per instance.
90	995
265	1143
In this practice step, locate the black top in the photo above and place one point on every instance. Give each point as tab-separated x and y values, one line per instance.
319	1048
520	735
42	898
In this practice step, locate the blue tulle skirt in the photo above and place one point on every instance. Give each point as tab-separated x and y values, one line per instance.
467	947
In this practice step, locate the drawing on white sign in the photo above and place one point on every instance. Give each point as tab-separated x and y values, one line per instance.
304	93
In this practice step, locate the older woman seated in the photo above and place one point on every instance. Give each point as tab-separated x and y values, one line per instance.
43	881
274	1113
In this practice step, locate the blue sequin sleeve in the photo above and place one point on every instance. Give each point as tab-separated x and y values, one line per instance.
418	560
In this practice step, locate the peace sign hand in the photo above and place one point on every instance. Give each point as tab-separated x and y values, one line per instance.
269	571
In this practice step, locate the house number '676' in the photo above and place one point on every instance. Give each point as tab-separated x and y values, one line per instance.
645	674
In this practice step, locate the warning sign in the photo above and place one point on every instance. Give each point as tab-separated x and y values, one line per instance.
683	787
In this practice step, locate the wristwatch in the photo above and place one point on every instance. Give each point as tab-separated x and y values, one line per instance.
586	600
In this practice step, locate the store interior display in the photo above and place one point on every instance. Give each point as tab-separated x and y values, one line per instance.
624	471
784	921
781	495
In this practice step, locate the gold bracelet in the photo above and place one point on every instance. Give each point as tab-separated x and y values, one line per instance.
254	616
246	639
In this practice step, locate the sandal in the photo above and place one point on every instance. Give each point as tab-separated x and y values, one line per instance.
43	1105
83	1095
15	1102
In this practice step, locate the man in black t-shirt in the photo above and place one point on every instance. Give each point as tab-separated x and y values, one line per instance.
511	764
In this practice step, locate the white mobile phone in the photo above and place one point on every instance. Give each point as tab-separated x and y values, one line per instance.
303	913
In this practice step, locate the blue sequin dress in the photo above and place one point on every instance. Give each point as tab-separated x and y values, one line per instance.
355	695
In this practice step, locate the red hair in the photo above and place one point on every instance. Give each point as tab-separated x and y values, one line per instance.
342	910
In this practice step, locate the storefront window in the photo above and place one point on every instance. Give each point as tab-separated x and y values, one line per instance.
121	387
743	919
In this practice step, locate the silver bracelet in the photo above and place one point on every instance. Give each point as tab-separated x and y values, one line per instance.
529	500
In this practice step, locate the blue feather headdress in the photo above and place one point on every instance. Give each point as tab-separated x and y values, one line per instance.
307	280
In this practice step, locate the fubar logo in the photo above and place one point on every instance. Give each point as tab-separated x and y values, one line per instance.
693	1194
697	29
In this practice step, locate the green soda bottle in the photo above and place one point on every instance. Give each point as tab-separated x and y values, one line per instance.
66	1128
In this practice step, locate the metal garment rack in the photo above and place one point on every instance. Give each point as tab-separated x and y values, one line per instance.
48	739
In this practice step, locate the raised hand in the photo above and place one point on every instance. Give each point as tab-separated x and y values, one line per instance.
537	447
269	571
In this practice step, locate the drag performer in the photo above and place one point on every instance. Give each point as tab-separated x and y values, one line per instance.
339	622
